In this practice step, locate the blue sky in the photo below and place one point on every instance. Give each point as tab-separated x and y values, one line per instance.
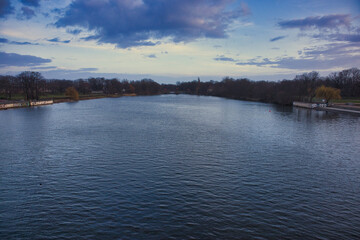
178	40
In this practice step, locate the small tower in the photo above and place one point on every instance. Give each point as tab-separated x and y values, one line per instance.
198	86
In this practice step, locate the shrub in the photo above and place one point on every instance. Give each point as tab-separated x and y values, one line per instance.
72	93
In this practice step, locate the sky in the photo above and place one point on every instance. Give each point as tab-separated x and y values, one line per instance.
178	40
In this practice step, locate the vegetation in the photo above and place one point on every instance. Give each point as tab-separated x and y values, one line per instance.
72	93
301	88
327	93
31	85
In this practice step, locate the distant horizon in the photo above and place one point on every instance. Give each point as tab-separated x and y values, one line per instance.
160	79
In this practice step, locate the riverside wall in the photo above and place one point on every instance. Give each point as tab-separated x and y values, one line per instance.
21	104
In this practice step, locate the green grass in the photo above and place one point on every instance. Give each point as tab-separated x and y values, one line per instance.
53	96
346	100
15	97
343	100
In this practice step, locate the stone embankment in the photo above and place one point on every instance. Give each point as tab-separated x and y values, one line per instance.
331	108
21	104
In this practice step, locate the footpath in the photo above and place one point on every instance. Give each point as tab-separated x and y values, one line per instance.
338	109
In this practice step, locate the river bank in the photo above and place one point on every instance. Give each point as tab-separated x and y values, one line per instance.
334	107
9	104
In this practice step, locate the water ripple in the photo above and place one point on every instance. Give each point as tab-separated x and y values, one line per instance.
178	167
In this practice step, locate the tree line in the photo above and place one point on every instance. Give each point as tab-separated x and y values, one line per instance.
302	88
32	85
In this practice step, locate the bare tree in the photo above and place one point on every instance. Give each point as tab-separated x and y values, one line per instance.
31	83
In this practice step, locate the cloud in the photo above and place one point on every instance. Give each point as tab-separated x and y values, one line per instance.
4	40
139	22
33	3
57	11
57	40
23	43
325	57
88	69
74	31
151	56
27	13
14	59
44	68
333	28
346	37
318	22
277	38
223	58
333	50
5	8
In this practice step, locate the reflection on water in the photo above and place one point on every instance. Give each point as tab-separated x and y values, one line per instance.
311	115
178	166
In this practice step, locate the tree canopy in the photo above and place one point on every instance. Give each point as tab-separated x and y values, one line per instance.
327	93
72	93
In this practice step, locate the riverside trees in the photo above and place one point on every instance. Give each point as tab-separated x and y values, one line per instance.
9	85
33	84
72	93
301	88
328	93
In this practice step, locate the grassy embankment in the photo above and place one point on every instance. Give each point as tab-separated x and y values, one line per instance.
347	100
64	98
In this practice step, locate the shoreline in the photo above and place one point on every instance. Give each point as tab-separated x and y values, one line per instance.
12	104
8	104
339	108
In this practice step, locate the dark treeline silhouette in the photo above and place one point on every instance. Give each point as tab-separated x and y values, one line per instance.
302	88
32	85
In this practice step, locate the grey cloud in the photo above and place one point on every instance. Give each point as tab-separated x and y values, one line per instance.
277	38
151	56
27	13
134	23
333	28
23	43
325	57
57	40
345	37
57	11
318	22
44	68
33	3
223	58
88	69
4	40
74	31
306	64
14	59
5	8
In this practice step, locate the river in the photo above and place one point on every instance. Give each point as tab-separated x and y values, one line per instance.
178	167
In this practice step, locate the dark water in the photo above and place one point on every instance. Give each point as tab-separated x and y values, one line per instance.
178	167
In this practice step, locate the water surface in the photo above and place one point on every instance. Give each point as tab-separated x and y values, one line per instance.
178	167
